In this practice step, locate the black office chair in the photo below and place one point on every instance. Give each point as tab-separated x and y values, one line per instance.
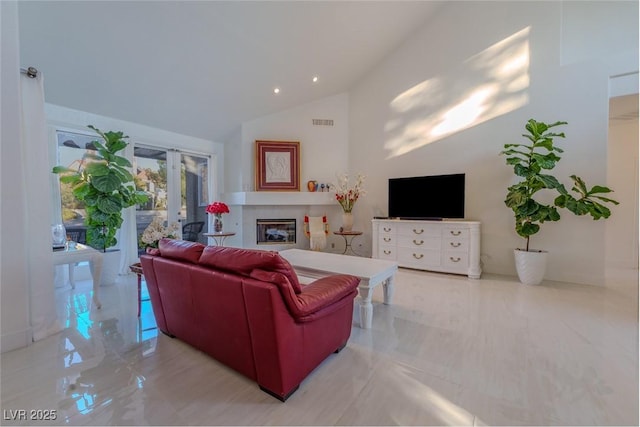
191	230
77	234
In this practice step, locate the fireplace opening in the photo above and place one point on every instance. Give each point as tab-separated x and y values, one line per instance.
275	231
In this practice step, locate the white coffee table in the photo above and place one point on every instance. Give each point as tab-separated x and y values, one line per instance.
82	253
372	272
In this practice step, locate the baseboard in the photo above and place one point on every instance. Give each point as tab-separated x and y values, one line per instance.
15	340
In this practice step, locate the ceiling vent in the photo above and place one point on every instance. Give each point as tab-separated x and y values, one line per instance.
322	122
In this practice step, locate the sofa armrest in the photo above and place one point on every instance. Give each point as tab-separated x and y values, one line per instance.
315	296
324	292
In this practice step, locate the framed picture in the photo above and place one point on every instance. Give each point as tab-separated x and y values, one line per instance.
277	166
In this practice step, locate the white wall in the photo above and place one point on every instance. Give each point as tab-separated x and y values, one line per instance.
15	331
323	155
437	73
323	149
232	156
600	27
622	227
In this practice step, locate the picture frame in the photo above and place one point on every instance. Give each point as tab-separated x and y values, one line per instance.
277	166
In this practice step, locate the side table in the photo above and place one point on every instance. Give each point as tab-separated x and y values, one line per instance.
82	253
219	237
348	237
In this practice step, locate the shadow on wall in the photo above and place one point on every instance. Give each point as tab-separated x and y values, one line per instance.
492	83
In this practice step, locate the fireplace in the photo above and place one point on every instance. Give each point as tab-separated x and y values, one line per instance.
275	231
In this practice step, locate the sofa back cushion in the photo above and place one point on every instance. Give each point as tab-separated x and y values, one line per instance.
181	250
244	261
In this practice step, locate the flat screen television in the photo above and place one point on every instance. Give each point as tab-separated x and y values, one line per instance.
427	197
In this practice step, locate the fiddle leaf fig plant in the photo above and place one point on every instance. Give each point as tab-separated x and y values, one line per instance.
105	186
530	162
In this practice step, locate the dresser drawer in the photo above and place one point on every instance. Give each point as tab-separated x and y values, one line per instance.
387	252
387	228
457	232
455	244
455	260
419	242
418	258
419	230
387	239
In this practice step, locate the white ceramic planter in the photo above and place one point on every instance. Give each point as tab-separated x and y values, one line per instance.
531	266
110	266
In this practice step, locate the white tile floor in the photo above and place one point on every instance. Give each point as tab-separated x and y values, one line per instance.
449	351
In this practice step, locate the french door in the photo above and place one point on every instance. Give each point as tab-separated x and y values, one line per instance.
178	186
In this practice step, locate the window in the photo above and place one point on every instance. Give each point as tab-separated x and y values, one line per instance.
74	150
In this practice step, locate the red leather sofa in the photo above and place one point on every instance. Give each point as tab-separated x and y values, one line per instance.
247	309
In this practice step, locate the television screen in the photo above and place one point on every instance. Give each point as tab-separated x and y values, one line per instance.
427	197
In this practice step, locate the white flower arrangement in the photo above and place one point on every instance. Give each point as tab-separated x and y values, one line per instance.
346	195
156	231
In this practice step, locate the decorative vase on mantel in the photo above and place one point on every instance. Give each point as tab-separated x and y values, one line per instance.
217	223
347	221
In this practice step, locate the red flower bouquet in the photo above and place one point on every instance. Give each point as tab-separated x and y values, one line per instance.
217	208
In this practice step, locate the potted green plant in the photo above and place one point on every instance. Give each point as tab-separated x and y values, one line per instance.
530	161
105	186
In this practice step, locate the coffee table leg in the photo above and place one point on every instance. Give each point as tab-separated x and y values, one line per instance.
388	288
366	308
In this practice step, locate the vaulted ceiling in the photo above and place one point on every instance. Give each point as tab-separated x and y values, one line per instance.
203	68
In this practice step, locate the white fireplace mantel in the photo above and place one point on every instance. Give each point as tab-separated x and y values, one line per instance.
279	198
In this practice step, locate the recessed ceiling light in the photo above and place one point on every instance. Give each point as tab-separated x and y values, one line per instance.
276	90
315	79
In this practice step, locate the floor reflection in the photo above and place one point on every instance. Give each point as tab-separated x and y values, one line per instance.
95	377
449	350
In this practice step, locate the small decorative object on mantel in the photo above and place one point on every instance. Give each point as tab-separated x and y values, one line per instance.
312	185
347	197
156	231
217	209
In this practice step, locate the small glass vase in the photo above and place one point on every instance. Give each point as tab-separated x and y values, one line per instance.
217	223
58	235
347	221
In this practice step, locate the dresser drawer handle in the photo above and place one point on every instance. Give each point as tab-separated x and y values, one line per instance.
415	242
386	252
387	239
418	232
456	232
418	256
386	229
456	259
455	244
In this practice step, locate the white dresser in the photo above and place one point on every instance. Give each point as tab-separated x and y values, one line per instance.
443	246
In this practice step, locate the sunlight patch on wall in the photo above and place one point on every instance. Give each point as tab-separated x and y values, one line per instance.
487	85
